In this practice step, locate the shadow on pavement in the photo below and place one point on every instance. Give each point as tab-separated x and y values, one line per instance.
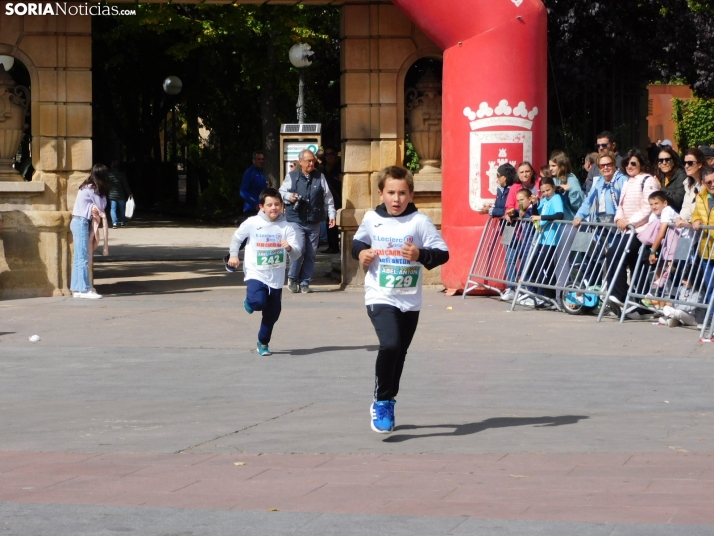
7	333
321	349
476	427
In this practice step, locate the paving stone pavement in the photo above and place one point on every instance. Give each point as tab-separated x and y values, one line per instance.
149	412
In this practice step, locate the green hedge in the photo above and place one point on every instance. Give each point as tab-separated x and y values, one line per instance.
695	122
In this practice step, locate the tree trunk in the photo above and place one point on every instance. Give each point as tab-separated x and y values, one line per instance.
269	120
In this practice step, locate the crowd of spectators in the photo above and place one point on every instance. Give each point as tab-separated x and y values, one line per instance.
626	190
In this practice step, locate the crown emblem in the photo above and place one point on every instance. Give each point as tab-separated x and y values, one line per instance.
502	116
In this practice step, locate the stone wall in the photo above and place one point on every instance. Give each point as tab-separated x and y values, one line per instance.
57	52
379	45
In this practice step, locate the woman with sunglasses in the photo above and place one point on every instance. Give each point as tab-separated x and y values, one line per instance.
671	176
601	202
633	209
694	162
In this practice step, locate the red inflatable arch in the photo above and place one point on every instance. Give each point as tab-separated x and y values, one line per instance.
494	105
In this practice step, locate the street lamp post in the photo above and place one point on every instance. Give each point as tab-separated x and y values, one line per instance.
301	56
172	87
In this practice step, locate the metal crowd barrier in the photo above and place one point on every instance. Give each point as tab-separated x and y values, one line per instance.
679	284
500	243
569	267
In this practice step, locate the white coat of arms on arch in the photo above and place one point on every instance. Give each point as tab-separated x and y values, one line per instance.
498	135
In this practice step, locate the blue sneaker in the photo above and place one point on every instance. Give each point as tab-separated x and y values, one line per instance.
263	349
381	412
391	413
248	308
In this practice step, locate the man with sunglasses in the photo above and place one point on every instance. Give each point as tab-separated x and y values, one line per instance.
605	142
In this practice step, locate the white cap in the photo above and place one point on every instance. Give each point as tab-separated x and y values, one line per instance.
666	142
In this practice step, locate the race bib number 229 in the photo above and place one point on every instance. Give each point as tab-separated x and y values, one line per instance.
395	279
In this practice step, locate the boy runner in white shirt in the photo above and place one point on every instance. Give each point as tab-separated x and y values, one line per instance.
270	238
395	241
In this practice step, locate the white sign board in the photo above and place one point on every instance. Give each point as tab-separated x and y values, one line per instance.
293	150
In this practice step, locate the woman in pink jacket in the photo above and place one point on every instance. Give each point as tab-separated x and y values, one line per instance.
527	180
633	209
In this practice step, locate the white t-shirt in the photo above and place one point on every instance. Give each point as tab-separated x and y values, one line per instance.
668	215
265	256
391	279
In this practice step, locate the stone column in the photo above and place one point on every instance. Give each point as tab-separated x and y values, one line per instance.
57	51
379	44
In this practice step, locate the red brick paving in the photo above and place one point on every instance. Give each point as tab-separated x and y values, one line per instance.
615	488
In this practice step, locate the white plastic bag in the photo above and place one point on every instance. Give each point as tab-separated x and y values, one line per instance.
129	210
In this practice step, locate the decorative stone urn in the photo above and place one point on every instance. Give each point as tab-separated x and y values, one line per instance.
14	101
423	110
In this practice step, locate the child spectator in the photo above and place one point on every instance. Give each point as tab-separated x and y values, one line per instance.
528	180
662	215
551	208
517	252
561	171
680	313
506	176
394	242
269	236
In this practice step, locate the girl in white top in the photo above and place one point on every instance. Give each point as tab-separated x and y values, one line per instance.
395	242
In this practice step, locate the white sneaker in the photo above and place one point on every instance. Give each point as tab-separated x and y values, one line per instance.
508	295
526	301
89	295
672	322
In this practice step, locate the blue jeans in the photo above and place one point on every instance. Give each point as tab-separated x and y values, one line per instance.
80	263
117	209
703	273
302	268
261	297
512	258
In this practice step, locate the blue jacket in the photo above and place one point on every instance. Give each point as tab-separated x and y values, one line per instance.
591	204
250	187
499	207
573	198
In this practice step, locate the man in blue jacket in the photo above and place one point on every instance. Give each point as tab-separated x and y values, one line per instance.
253	183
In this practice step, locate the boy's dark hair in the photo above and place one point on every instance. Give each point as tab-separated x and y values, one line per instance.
395	172
269	192
659	194
524	190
